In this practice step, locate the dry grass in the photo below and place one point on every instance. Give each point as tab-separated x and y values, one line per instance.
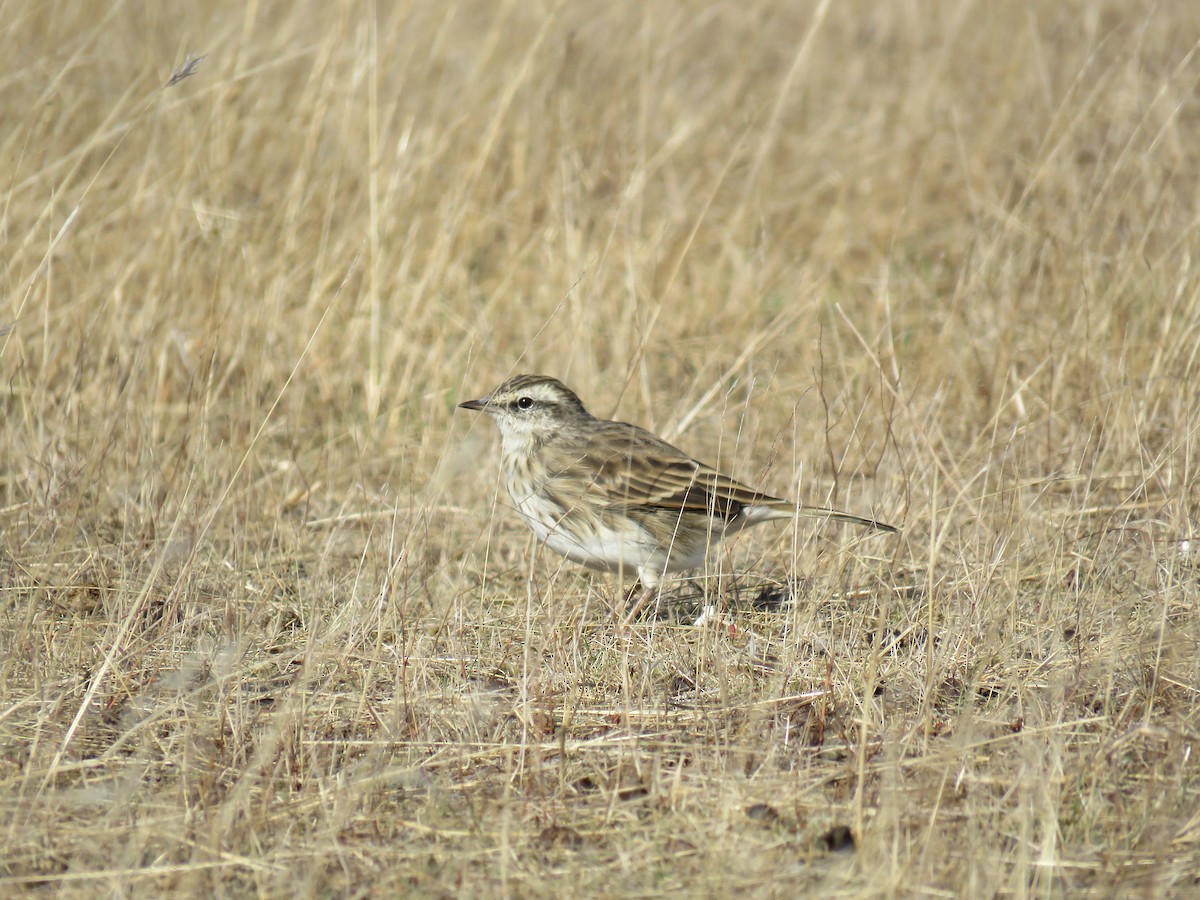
267	628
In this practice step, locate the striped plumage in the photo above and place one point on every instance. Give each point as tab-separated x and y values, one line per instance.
613	496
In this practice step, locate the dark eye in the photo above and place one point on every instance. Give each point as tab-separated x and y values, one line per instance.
525	403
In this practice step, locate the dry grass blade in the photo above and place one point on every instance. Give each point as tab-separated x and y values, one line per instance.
187	70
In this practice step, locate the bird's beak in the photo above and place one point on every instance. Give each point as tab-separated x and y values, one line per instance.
474	404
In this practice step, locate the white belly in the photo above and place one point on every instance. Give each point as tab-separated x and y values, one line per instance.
601	548
610	549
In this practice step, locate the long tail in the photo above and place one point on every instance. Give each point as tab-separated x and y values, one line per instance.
818	512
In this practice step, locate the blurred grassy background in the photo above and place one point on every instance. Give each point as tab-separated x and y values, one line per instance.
266	625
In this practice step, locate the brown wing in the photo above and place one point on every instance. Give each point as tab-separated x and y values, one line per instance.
636	470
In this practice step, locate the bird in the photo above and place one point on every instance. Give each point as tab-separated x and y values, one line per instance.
615	497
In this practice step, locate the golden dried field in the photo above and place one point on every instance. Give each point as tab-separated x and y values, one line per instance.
269	625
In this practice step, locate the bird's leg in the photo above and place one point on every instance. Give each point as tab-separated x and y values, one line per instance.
631	591
644	597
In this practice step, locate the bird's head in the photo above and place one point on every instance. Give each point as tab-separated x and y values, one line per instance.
531	409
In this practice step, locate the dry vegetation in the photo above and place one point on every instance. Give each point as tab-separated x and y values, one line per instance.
266	626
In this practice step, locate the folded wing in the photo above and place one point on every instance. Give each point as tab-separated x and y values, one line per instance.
649	473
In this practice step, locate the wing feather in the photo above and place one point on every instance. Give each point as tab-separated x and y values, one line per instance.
636	470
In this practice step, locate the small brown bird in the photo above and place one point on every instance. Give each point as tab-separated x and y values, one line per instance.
613	496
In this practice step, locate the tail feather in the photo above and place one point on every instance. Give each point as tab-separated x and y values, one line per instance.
774	508
818	512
